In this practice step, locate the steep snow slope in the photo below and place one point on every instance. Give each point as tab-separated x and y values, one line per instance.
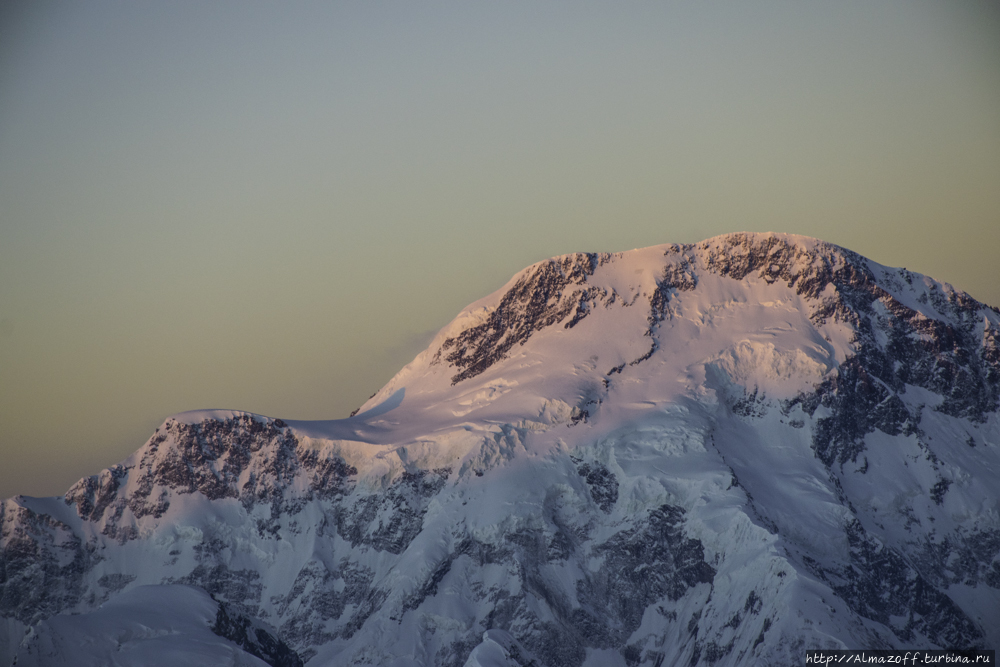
722	453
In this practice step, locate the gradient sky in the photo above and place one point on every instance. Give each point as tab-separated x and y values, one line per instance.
272	206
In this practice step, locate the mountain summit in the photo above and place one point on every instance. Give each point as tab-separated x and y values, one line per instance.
723	453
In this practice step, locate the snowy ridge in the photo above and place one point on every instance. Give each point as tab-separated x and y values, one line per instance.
721	453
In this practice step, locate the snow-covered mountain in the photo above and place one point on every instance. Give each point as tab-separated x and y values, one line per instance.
714	454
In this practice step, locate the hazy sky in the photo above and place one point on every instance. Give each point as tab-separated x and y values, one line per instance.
271	206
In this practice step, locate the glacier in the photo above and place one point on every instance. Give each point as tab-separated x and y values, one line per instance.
721	453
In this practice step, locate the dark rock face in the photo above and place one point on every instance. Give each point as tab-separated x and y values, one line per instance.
945	356
860	404
602	483
540	299
241	588
879	584
254	639
210	458
641	565
968	558
316	604
116	581
752	405
389	521
678	276
644	563
93	495
331	477
42	563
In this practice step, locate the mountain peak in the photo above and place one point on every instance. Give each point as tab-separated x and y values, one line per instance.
789	302
708	454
